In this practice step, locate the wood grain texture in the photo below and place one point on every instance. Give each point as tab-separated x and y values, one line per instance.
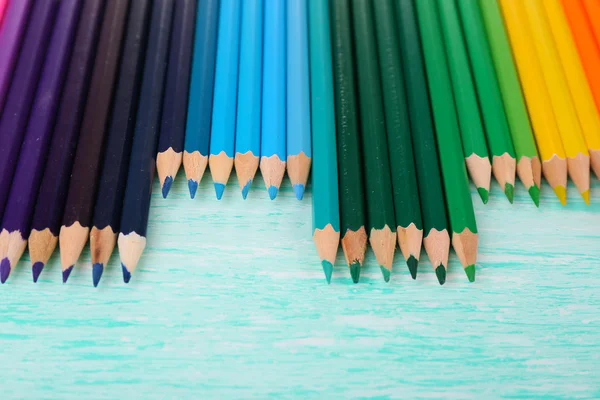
237	312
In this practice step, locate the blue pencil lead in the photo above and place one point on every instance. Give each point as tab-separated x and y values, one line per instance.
193	186
97	271
66	273
219	189
36	270
126	274
4	270
246	189
167	186
299	190
327	269
272	192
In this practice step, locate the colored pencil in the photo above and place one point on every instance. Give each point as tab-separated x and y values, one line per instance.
583	100
378	181
136	203
107	211
298	97
222	136
197	131
431	194
247	130
326	214
2	8
79	206
529	167
549	143
409	223
51	198
172	131
578	158
454	175
13	121
12	32
272	145
592	8
465	98
504	163
16	224
589	53
352	204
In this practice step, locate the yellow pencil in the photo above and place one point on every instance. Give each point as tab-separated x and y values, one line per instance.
581	93
578	158
547	137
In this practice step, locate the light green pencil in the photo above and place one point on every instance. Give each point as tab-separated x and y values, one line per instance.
326	212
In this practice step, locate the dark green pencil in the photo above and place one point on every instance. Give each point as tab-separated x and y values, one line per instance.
433	208
378	182
352	204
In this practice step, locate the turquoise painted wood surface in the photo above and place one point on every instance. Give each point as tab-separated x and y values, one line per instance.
229	301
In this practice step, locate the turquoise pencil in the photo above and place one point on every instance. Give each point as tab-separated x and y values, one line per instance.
247	135
326	211
272	146
197	130
222	137
298	97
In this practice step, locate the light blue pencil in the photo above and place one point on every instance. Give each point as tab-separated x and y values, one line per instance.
298	97
247	136
222	137
272	161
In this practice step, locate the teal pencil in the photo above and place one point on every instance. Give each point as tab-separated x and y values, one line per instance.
326	212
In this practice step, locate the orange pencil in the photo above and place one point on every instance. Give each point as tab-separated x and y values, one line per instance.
592	8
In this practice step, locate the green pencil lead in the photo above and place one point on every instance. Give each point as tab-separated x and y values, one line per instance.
470	271
412	263
355	272
509	191
386	273
440	272
534	192
327	269
484	194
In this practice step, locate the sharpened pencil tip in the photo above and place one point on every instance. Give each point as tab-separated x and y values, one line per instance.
440	272
586	197
219	189
534	192
246	189
470	271
126	274
327	269
97	271
299	190
192	186
36	270
272	192
66	274
167	186
413	264
509	191
355	272
561	193
484	194
386	273
4	270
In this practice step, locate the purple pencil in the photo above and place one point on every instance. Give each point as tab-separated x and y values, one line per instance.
32	158
11	36
20	95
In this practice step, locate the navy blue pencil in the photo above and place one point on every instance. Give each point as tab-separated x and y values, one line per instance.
172	131
53	191
136	203
107	211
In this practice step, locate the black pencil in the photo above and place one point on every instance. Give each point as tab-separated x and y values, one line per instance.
136	203
107	212
77	217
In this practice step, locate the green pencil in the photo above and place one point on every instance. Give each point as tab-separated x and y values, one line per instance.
529	167
326	213
471	129
409	225
378	182
504	164
435	221
456	185
352	204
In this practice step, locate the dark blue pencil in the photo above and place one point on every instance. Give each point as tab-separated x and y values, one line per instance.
20	95
136	203
172	131
107	212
